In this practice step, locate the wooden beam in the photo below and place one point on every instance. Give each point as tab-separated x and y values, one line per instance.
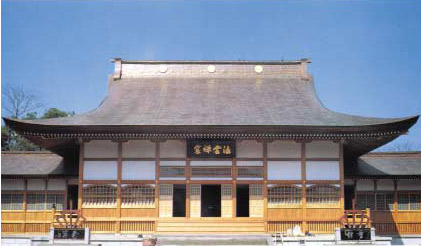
81	172
157	179
265	191
303	167
187	173
341	168
25	202
119	185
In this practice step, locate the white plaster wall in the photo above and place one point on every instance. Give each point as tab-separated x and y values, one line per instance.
322	149
138	170
100	170
173	163
210	163
284	170
12	184
365	185
408	185
385	184
138	149
322	170
349	182
284	149
36	184
249	149
249	163
101	149
173	148
56	184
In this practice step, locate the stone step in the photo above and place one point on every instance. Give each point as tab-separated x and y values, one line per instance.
213	240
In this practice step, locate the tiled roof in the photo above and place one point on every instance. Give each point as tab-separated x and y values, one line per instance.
32	163
389	163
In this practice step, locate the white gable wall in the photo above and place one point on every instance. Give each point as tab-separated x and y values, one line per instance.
284	170
385	184
249	149
100	170
138	170
322	149
173	149
408	185
365	185
138	149
101	149
284	149
36	184
12	184
322	170
56	184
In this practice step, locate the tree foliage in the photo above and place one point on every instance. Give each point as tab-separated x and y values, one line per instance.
55	113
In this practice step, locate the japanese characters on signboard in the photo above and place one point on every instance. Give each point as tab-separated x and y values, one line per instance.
211	149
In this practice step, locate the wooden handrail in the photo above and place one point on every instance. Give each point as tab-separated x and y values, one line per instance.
360	219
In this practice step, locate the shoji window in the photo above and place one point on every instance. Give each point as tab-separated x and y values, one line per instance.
99	195
11	201
322	194
284	194
138	195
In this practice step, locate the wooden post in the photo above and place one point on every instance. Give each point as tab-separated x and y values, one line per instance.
341	156
187	173
81	172
396	200
234	178
265	191
303	164
25	199
119	185
157	179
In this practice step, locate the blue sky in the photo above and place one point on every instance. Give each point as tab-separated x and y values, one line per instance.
366	54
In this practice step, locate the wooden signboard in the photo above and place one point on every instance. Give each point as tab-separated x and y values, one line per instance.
211	148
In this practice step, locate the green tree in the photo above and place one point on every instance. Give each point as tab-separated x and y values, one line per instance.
55	113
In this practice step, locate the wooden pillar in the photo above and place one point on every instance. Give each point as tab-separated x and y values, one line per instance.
81	172
157	179
65	207
45	198
234	177
355	200
303	165
119	185
396	200
25	199
341	156
187	174
265	191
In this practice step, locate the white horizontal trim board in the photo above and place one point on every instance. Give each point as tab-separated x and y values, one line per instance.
36	184
209	178
365	185
56	184
322	170
138	170
172	178
408	185
284	170
284	149
138	149
211	163
246	178
100	170
100	149
250	163
322	149
172	163
12	184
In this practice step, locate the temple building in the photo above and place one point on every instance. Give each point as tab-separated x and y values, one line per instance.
211	147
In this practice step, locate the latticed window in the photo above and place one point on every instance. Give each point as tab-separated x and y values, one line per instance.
35	201
11	201
138	195
284	194
57	199
250	172
365	201
212	171
99	195
322	194
172	171
384	201
409	201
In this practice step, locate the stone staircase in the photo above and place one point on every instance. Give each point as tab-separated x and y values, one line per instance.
220	240
210	226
